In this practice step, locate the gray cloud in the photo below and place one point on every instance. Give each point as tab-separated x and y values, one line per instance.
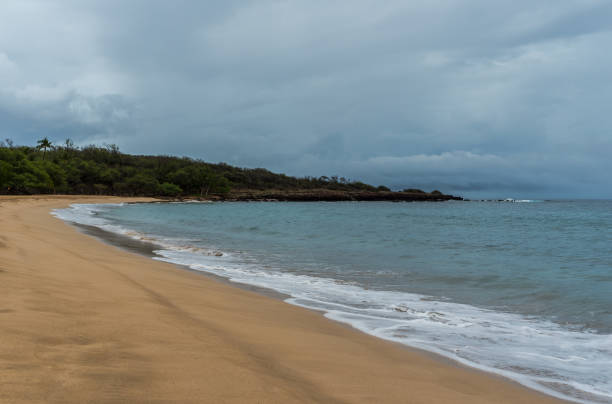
481	98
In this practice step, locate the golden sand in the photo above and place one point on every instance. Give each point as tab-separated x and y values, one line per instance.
82	321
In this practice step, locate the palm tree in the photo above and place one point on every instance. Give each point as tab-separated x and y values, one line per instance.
44	144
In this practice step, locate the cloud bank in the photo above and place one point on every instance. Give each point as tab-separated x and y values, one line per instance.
480	98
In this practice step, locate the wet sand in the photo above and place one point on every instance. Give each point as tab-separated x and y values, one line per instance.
84	321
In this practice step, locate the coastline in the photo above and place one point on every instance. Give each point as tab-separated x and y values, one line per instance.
147	249
84	321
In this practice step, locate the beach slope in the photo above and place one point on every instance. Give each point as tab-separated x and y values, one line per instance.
83	321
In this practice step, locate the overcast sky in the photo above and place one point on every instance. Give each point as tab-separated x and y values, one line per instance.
477	97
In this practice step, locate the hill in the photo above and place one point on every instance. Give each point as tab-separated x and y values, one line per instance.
96	170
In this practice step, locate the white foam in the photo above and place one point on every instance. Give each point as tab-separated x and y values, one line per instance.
88	214
520	200
537	353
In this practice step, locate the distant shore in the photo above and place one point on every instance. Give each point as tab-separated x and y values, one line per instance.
83	321
327	195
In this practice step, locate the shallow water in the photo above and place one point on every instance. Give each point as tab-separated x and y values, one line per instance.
521	289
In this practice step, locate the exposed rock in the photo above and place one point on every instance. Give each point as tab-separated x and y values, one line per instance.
328	195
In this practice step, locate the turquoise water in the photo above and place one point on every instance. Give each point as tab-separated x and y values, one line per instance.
521	289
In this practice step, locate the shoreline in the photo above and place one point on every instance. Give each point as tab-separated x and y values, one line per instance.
147	249
178	332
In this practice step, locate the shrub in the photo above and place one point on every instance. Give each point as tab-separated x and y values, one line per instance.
168	189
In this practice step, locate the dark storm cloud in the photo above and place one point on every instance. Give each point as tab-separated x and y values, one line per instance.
477	97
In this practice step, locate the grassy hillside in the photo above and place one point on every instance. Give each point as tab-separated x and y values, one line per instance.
67	169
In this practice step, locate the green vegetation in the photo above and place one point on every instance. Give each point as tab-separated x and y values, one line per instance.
96	170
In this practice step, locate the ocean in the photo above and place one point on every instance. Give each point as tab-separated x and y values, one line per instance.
521	289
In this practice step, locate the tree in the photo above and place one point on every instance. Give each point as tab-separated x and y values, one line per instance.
6	175
168	189
31	178
44	144
202	177
56	173
68	149
142	184
109	176
217	184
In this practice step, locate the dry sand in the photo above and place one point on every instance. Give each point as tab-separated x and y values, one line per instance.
83	321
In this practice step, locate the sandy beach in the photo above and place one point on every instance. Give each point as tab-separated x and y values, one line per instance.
83	321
